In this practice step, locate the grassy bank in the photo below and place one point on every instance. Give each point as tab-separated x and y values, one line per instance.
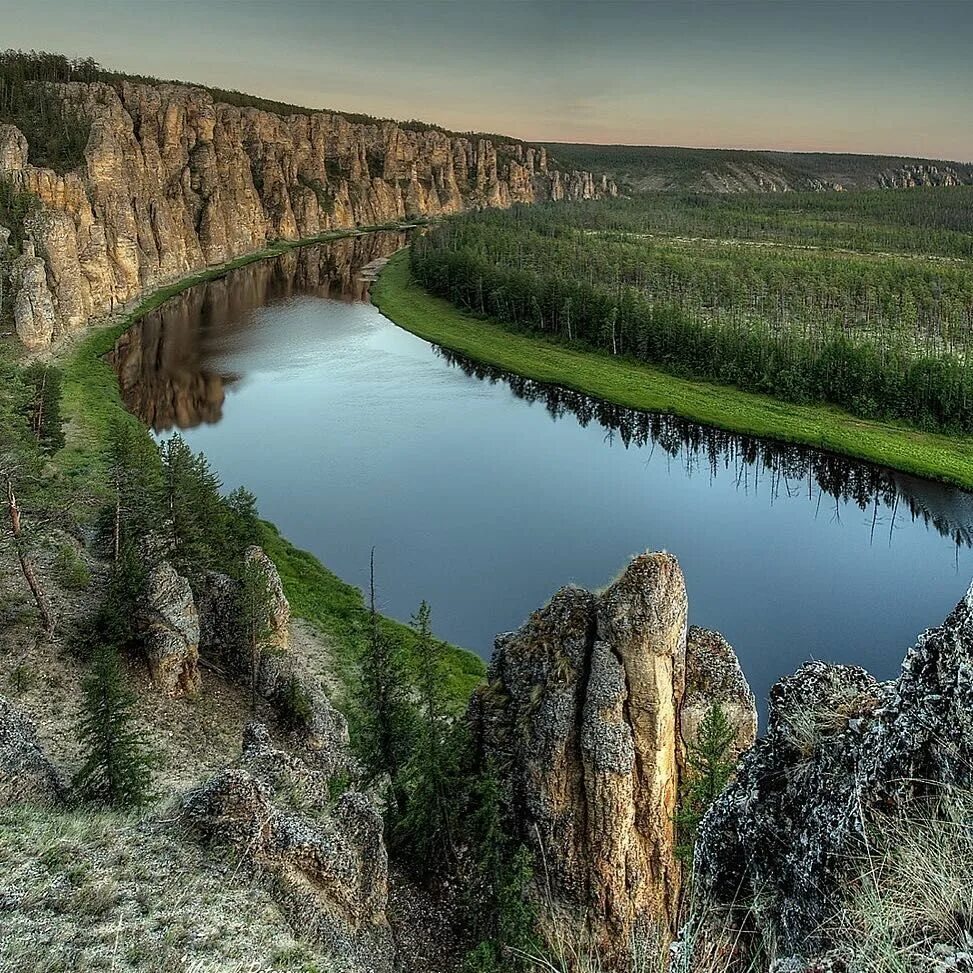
637	386
92	404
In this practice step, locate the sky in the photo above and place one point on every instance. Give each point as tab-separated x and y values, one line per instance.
876	76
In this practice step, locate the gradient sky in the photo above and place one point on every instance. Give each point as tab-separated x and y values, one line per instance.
883	77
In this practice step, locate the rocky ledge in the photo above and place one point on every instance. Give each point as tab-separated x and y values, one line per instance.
174	181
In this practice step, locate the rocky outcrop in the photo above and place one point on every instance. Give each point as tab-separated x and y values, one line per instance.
919	175
327	865
582	714
169	624
26	775
174	181
279	617
777	852
713	675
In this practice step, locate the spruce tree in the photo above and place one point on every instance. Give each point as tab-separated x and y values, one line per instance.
117	767
709	768
256	615
43	405
384	713
426	830
135	475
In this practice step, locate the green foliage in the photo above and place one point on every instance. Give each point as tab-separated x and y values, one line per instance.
57	132
709	768
882	337
117	766
501	915
255	611
425	832
16	205
43	406
115	621
70	570
385	721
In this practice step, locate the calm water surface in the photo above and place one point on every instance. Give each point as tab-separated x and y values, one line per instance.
483	493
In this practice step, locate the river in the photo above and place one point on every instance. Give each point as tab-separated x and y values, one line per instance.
483	493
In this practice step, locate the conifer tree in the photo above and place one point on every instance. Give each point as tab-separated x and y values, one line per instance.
117	767
43	405
256	613
425	831
386	719
135	476
709	768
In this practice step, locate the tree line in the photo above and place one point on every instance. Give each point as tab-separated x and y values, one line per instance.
881	337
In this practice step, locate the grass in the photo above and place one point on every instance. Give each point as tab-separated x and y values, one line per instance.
109	891
914	897
631	384
92	404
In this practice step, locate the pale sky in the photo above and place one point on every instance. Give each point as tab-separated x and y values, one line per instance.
855	76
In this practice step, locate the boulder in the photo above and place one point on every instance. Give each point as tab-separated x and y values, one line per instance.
841	751
26	775
327	865
169	624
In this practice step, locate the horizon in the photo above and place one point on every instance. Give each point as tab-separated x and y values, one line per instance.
867	78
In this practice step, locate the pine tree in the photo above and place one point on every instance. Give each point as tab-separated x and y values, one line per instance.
117	768
135	475
425	831
710	765
256	615
196	516
43	385
386	718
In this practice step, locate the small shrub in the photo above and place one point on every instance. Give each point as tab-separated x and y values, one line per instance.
70	570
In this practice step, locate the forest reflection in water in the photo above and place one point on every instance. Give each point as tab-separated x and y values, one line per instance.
780	469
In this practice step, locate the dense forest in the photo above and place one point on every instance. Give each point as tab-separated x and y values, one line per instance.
860	300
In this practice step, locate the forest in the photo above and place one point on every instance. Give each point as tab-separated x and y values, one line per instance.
863	300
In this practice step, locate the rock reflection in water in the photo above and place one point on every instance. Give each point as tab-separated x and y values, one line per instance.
163	362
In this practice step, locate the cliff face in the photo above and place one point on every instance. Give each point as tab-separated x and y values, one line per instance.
174	181
584	716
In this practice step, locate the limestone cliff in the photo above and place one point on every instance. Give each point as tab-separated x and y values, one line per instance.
582	716
174	181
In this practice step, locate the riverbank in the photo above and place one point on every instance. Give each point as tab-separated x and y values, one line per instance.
92	404
637	386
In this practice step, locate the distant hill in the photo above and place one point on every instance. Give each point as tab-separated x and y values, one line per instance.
644	168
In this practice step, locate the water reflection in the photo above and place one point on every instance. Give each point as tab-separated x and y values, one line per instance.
780	469
165	361
484	492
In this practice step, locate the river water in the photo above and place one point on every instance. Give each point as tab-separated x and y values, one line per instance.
483	493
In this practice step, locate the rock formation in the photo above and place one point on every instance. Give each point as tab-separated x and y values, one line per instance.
327	866
582	715
841	750
174	181
170	626
25	772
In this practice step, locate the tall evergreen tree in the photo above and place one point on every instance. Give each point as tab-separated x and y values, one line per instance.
43	405
117	767
425	832
386	718
256	608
